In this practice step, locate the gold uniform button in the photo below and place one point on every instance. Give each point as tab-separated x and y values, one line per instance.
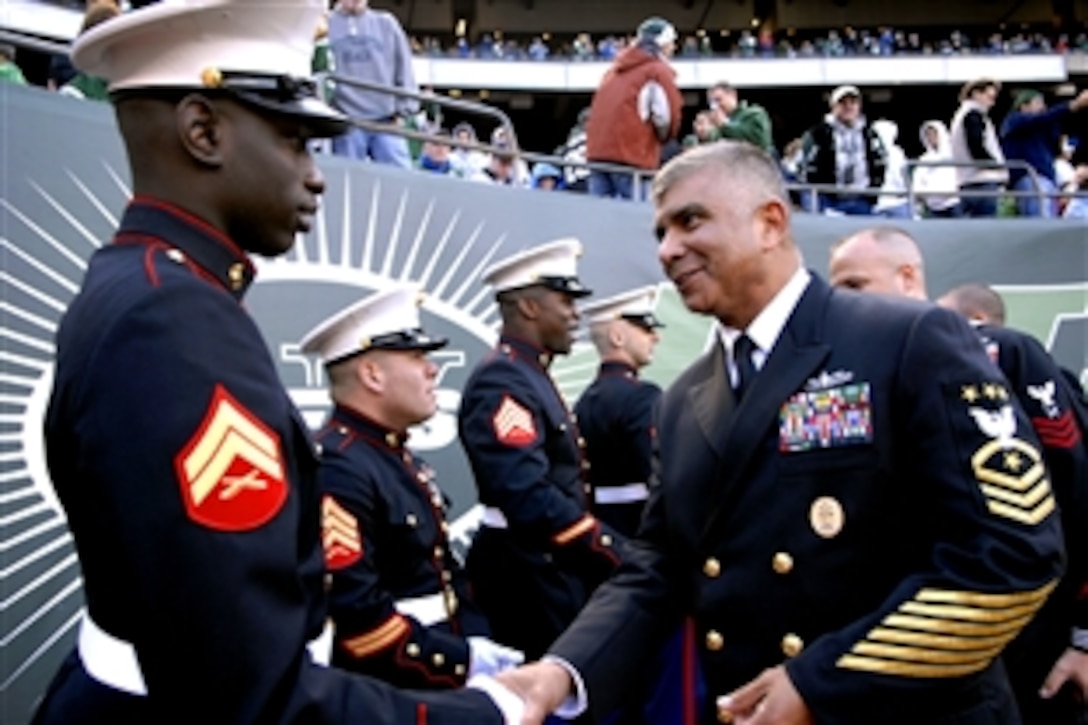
411	520
714	641
606	540
581	442
725	716
586	465
444	527
712	567
236	273
438	659
782	563
439	552
446	576
792	645
412	649
587	488
459	670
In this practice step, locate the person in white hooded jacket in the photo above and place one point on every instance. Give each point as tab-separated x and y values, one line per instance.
935	186
893	202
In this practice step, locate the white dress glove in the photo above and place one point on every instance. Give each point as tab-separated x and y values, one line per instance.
489	658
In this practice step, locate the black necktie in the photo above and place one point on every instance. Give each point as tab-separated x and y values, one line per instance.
746	369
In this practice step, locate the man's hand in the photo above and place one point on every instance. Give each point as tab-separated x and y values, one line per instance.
1072	666
541	685
770	699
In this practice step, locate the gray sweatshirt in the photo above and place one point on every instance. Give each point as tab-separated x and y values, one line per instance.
371	46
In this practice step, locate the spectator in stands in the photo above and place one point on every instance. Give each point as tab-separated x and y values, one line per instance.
974	140
1076	207
739	120
636	109
538	49
370	45
1033	133
501	170
9	71
428	119
703	130
435	155
547	177
576	178
82	85
844	151
936	186
501	139
893	202
468	163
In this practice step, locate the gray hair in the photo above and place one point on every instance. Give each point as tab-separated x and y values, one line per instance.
740	161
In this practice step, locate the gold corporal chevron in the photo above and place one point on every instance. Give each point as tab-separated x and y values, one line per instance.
944	633
379	638
1025	497
228	435
339	534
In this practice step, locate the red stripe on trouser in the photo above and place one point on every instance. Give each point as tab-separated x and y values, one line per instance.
421	713
688	664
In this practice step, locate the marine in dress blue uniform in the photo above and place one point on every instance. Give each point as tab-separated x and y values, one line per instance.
888	260
615	413
539	551
847	497
399	601
187	476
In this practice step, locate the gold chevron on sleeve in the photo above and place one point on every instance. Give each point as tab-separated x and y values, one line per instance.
379	638
942	633
572	532
1012	478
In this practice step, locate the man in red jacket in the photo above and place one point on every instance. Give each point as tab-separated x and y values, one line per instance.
636	109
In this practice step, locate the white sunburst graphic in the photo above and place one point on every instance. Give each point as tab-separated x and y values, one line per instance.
40	600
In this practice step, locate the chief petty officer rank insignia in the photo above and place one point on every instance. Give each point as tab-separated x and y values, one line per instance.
1009	470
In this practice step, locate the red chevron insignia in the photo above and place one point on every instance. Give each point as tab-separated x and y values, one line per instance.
513	423
231	471
339	535
1061	432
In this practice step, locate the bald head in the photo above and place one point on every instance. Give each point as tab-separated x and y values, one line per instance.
884	260
976	302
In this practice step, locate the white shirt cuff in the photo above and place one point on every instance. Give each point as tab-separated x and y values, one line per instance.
577	703
1080	638
509	704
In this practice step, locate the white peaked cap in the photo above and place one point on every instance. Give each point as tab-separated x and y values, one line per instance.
554	265
386	320
637	305
260	49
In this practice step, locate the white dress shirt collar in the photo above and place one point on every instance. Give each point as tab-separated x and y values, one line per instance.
767	327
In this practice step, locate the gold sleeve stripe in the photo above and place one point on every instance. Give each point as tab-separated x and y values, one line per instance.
1023	500
378	638
1031	518
572	532
938	641
964	629
1017	483
907	669
929	656
967	614
979	599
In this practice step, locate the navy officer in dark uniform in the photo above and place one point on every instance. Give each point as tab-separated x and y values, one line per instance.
187	476
1052	649
847	498
539	551
615	413
399	600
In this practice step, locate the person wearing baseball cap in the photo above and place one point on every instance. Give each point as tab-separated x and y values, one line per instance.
539	553
842	150
185	471
635	111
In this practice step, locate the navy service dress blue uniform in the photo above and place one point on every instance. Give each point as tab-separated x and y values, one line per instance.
874	515
1051	403
187	476
539	552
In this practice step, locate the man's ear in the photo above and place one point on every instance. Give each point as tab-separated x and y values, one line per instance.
775	221
529	306
200	129
369	373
